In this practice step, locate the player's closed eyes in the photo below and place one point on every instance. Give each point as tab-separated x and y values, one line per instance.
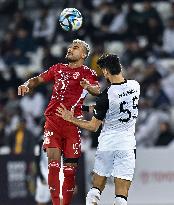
74	47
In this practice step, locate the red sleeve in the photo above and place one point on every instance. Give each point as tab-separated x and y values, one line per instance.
91	76
48	75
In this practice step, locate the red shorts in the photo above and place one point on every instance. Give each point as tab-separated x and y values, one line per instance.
63	135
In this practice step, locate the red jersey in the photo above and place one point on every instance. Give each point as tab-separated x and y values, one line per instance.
67	89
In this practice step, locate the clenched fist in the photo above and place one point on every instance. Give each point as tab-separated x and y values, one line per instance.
23	89
84	83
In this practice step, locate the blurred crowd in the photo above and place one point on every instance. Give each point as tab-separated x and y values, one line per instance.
142	34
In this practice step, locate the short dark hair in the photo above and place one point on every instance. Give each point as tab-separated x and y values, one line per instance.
111	62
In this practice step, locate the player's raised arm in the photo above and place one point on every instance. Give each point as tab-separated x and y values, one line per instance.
46	76
92	89
30	84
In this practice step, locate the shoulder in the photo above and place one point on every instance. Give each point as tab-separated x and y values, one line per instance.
133	83
58	66
89	70
103	96
102	105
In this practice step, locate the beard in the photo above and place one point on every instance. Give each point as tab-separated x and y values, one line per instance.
70	60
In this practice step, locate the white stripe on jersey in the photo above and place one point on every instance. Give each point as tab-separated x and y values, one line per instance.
83	95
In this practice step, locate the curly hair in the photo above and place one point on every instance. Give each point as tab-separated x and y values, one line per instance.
84	44
110	62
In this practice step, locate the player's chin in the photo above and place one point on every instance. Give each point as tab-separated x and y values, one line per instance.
67	57
70	59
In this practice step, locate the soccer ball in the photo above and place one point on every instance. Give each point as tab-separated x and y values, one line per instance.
70	19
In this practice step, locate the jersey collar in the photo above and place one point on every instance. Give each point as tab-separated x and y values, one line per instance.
125	81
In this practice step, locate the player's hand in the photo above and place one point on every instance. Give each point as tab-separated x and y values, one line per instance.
84	83
64	113
23	89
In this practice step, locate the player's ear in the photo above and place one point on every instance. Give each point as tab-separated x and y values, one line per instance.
105	72
84	55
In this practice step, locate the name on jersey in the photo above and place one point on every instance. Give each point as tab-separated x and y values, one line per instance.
129	92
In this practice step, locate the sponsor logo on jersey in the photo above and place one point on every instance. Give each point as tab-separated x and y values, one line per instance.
48	134
71	190
76	75
46	140
52	189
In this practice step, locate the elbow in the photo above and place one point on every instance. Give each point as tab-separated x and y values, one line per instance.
97	90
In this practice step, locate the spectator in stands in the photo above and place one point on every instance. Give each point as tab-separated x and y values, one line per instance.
158	97
132	51
167	86
165	136
20	21
112	25
7	47
13	79
133	21
16	48
151	76
24	42
8	7
136	70
12	118
148	126
3	137
149	12
172	8
44	27
48	59
168	38
97	51
3	86
12	103
33	100
154	32
22	140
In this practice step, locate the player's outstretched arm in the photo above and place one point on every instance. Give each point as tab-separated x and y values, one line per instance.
67	115
30	84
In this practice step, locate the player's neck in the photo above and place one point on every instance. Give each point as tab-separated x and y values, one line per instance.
116	78
75	64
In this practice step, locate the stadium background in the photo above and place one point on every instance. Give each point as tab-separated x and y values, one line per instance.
142	34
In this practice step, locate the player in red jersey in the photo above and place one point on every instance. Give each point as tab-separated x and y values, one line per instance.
72	82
